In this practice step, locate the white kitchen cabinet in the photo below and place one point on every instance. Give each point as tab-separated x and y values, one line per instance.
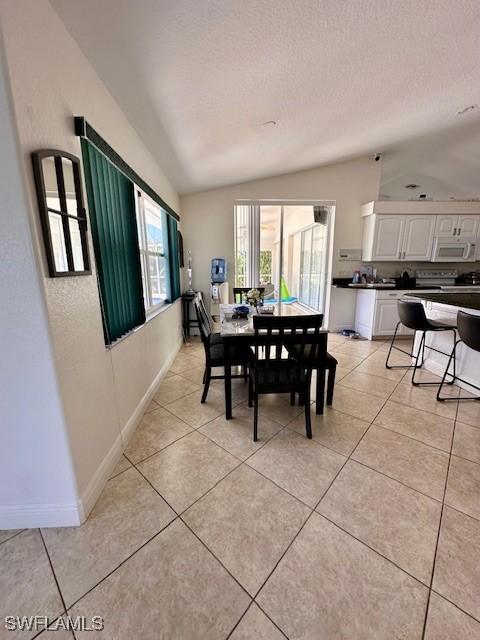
451	226
468	226
395	231
386	319
446	226
418	237
376	313
383	237
396	238
364	312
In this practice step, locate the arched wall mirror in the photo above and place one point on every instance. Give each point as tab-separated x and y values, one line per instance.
64	219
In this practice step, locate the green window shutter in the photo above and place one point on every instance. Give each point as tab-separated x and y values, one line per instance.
174	257
114	230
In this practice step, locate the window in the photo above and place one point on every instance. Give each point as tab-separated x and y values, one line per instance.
135	242
241	246
311	265
153	246
284	247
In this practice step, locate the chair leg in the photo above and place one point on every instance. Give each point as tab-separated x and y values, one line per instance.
208	372
245	373
320	393
250	392
255	417
452	357
204	375
421	349
391	346
292	398
308	421
331	385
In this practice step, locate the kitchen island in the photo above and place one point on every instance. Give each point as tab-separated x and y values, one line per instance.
467	301
444	307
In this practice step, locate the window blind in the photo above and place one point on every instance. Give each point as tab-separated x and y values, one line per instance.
174	257
114	230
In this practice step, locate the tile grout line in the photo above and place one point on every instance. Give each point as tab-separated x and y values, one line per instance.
385	475
144	544
426	444
439	526
455	605
253	602
64	612
179	517
323	495
379	553
240	619
313	510
12	536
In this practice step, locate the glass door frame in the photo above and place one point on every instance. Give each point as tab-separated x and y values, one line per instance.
252	272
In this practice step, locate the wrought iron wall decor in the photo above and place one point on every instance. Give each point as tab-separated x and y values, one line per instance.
64	219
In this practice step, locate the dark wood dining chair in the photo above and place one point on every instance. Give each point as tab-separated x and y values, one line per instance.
214	351
215	336
329	363
277	371
240	292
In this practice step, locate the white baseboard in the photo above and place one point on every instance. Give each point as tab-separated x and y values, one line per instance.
73	513
137	415
99	478
104	471
25	516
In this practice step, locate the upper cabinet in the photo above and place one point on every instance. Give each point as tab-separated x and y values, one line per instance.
451	226
387	238
418	237
405	231
393	237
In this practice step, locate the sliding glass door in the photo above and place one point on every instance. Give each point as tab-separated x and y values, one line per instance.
285	249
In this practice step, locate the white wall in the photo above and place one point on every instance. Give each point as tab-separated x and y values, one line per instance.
52	81
207	216
35	462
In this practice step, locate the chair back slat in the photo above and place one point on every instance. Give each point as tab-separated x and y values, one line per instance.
202	319
305	333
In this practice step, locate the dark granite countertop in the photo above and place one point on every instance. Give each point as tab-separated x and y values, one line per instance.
465	300
378	288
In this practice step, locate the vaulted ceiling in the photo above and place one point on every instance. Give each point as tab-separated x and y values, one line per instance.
341	78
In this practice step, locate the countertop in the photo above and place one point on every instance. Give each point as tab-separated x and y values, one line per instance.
465	300
374	288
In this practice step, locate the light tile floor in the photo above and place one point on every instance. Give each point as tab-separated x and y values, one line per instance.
369	531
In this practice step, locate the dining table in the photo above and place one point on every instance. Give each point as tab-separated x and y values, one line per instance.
238	332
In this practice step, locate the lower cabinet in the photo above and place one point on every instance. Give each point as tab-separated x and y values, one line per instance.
386	319
376	313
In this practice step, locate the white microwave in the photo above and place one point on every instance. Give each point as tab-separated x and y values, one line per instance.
450	251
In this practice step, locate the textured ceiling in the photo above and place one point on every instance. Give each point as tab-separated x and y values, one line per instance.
342	78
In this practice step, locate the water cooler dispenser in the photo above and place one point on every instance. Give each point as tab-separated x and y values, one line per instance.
219	286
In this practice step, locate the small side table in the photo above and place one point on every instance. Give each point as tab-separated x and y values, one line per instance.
187	299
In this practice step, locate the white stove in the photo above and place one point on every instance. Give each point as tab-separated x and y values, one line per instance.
436	277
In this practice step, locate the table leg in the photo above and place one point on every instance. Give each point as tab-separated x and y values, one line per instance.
187	316
228	380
